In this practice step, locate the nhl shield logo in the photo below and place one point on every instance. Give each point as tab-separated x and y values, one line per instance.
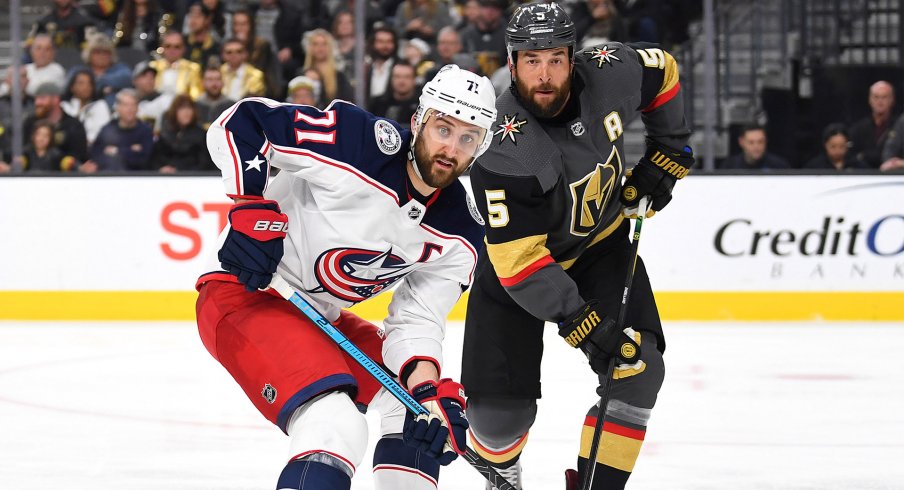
388	138
414	213
269	393
577	128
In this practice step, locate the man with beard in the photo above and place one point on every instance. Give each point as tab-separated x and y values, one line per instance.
68	133
383	47
366	205
550	191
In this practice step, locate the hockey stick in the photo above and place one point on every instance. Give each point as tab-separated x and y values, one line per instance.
620	324
288	292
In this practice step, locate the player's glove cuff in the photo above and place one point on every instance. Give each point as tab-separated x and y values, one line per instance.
598	337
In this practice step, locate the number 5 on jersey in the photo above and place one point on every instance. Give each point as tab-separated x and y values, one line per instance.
497	211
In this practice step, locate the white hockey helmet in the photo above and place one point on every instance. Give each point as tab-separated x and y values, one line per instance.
461	94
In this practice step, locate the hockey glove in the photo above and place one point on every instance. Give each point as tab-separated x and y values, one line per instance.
599	338
254	243
443	434
655	176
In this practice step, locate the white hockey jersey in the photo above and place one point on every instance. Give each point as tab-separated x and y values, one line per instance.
354	228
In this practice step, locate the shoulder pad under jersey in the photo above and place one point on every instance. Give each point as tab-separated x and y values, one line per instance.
520	147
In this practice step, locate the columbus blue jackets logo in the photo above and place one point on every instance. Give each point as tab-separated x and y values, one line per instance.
603	55
509	128
355	274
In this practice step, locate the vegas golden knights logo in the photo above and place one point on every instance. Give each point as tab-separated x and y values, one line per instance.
590	195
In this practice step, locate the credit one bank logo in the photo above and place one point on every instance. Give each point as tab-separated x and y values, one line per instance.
830	244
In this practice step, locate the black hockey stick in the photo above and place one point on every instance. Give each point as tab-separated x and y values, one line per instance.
288	292
620	324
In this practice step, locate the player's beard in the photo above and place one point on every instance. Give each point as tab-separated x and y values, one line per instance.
549	109
430	173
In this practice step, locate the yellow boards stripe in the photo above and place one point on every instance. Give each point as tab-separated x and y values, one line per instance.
673	306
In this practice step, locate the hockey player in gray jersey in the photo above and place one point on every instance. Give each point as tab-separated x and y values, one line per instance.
551	194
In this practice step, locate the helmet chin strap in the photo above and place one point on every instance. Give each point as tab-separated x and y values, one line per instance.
413	162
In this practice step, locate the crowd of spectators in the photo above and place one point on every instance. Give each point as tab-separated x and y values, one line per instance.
125	85
874	142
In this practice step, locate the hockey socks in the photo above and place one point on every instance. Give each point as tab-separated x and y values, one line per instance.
303	474
619	448
398	466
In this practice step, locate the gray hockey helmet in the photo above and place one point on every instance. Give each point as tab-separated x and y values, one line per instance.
539	26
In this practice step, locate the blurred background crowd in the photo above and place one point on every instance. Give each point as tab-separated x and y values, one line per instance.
132	85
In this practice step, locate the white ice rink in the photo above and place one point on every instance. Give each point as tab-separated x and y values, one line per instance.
744	406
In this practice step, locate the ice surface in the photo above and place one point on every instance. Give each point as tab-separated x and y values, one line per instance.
744	406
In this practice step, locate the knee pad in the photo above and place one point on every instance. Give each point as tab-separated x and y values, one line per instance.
392	412
328	429
499	427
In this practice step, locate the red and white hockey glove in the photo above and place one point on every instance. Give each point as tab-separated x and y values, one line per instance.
254	244
443	434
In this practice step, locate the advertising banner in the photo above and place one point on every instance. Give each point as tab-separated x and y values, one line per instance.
732	247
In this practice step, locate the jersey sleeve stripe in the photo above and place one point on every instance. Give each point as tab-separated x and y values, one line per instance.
670	85
526	272
239	181
510	258
662	98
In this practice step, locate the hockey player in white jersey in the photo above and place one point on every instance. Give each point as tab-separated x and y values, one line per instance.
359	205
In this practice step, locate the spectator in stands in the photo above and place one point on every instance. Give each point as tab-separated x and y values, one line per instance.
42	68
151	103
893	149
486	37
175	74
212	102
240	79
68	132
67	25
314	74
282	25
382	48
261	55
304	91
220	17
754	155
6	115
201	43
868	135
343	31
81	101
139	25
182	145
41	154
123	144
598	22
374	11
416	52
449	51
321	54
401	102
422	19
835	154
110	76
470	11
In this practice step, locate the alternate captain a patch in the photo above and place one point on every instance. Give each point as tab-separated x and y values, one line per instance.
603	55
510	126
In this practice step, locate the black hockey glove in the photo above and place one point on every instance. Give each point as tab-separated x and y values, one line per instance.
655	176
254	244
599	337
